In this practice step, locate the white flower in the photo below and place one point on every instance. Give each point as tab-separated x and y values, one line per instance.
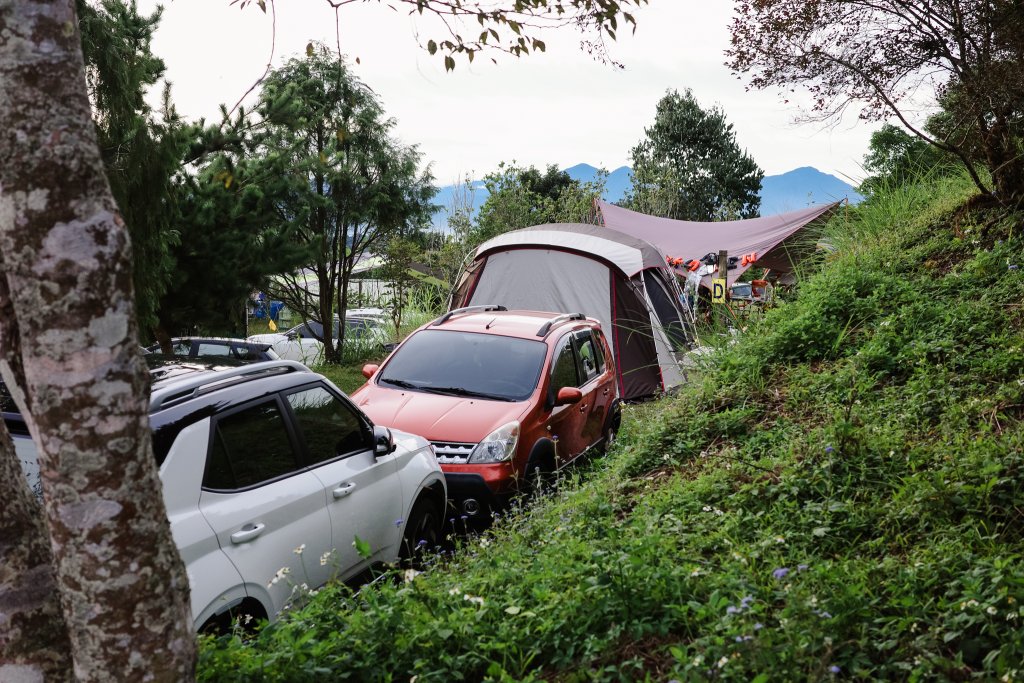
722	662
455	591
324	558
409	575
991	610
698	660
298	551
706	508
473	599
281	573
780	539
695	572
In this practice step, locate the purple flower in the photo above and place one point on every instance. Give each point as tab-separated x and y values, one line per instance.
1013	267
745	602
834	669
399	522
781	572
731	610
422	543
758	626
829	449
801	567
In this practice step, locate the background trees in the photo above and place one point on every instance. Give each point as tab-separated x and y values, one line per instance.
337	179
690	166
520	197
883	56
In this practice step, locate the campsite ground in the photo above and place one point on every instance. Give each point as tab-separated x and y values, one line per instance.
838	496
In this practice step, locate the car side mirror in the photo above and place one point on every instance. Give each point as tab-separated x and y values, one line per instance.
568	395
383	441
369	369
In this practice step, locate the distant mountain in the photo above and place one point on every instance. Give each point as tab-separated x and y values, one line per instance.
779	193
803	187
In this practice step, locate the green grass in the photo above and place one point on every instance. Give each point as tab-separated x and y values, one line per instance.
840	495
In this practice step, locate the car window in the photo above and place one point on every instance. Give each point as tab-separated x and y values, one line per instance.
599	351
246	353
308	330
249	447
213	349
466	364
329	426
564	372
588	356
182	347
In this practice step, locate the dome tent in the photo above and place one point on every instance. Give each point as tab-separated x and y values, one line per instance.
621	281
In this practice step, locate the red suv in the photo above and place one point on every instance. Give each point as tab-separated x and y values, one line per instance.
503	397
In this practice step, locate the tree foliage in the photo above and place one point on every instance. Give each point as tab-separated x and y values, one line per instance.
690	167
336	177
884	55
895	158
513	27
142	150
521	197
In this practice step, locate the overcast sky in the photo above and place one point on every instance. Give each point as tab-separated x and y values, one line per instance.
560	107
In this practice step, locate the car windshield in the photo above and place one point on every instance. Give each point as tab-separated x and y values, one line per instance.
467	364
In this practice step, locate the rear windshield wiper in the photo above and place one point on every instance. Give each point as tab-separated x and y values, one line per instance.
461	391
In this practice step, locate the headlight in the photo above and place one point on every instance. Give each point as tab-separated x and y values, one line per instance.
497	446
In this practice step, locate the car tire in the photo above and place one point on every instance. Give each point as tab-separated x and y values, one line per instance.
611	430
424	524
540	478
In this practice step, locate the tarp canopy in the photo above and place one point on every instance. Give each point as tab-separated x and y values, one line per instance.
776	240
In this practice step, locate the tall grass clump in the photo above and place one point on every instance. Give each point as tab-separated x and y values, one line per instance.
837	495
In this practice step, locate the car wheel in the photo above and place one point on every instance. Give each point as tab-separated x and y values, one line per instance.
610	432
422	531
540	478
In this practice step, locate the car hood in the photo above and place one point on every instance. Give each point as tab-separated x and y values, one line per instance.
438	418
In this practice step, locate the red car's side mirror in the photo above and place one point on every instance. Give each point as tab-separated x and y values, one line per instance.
568	395
369	369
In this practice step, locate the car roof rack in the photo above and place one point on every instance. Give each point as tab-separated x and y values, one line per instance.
467	309
546	327
204	382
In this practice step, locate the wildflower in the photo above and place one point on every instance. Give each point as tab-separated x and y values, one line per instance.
801	567
718	512
780	539
279	575
698	660
323	558
834	669
722	662
298	551
454	591
991	610
422	542
745	602
473	599
695	572
829	449
399	522
706	508
1010	600
1011	616
780	573
758	626
731	610
409	574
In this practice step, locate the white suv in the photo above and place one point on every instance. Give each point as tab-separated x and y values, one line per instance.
270	475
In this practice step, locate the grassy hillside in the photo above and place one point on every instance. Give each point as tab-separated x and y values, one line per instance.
838	495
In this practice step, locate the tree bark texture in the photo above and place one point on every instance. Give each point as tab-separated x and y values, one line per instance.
67	266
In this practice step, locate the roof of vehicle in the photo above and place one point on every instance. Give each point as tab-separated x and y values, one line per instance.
219	340
534	325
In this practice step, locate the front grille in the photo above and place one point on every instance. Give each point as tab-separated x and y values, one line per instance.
449	453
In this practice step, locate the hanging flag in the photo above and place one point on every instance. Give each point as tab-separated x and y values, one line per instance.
272	325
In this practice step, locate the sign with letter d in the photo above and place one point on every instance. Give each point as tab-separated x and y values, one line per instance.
718	291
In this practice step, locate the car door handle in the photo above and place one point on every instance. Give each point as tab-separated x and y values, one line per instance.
583	408
343	490
605	392
247	533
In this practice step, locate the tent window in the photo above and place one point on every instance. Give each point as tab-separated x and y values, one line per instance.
667	311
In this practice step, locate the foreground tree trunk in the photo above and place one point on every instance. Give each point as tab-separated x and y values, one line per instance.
67	267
